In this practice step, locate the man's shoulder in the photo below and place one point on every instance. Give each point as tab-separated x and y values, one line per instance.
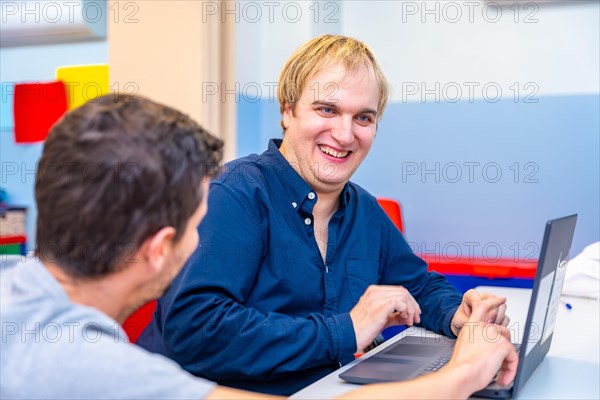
25	283
363	197
249	175
365	205
244	167
87	349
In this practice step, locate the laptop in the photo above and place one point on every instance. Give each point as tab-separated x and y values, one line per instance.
413	356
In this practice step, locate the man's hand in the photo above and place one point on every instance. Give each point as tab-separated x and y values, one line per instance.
495	315
380	307
482	348
481	351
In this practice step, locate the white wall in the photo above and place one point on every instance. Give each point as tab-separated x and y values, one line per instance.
556	47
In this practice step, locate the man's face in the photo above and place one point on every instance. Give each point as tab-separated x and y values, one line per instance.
332	127
188	242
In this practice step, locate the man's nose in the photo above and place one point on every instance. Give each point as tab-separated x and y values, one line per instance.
343	131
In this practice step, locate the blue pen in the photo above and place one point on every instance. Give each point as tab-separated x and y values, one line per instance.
568	305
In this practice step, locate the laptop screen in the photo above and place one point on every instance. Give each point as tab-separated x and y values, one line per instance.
545	298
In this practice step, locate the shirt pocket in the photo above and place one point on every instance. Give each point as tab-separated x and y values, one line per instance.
361	274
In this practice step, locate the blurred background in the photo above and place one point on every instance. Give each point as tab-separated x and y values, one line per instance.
493	126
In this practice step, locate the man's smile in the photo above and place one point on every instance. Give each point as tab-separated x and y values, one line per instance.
332	152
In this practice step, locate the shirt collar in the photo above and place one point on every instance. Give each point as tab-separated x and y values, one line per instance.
296	188
345	196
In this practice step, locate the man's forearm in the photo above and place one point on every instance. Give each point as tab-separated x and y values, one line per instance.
448	383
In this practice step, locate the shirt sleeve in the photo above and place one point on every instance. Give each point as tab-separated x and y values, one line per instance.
207	326
437	298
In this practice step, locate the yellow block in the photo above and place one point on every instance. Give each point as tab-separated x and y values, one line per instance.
83	83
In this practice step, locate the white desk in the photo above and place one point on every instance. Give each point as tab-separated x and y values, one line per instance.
571	370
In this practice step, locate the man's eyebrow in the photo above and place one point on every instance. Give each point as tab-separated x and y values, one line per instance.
368	111
334	105
325	103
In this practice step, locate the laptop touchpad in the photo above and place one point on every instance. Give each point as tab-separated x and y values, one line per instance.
415	347
414	350
383	370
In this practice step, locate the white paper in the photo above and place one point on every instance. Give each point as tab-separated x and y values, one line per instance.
561	272
539	314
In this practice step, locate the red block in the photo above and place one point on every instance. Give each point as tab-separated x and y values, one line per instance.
13	239
37	106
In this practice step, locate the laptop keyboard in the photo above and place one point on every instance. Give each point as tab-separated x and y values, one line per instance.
437	364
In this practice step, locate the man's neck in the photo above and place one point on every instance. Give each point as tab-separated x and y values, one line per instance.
327	204
108	294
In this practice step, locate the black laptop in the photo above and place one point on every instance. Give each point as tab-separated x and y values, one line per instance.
413	356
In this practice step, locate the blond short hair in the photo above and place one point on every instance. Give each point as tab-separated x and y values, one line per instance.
323	51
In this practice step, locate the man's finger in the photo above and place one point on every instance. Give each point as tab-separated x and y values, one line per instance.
509	368
470	299
505	332
501	311
483	307
492	316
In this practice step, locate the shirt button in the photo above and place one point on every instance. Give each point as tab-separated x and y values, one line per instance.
307	221
294	204
311	195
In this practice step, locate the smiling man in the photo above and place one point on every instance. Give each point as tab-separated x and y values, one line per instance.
300	268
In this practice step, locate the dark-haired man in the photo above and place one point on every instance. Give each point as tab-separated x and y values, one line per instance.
121	188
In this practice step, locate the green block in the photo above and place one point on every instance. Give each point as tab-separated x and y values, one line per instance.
10	248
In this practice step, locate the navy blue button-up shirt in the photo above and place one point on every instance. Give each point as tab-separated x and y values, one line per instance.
257	307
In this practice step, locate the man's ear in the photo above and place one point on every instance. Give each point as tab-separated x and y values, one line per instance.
288	113
158	247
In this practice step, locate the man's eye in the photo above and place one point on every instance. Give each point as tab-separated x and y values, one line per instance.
364	119
327	110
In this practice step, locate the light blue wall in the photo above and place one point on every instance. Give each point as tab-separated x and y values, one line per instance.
257	122
554	146
30	64
547	153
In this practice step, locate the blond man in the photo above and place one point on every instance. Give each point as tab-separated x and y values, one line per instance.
300	268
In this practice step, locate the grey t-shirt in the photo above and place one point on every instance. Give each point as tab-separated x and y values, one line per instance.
52	348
